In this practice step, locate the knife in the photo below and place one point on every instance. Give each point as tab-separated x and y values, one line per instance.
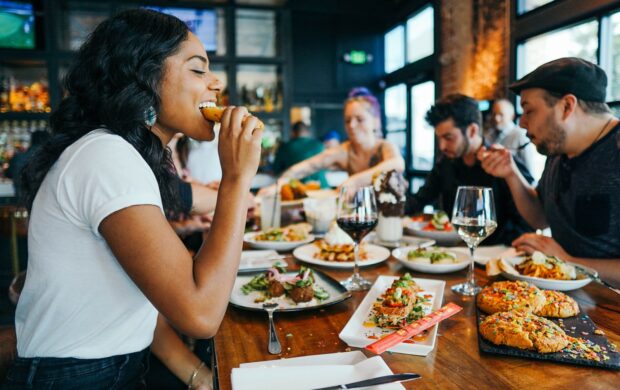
596	278
381	380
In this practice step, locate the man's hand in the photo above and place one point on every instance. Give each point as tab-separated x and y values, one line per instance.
530	242
497	161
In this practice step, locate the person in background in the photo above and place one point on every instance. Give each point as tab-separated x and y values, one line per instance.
458	127
103	260
300	147
363	155
565	115
331	139
19	160
504	131
203	162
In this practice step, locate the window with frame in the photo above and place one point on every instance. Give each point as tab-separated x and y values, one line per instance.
394	41
524	6
422	134
580	40
396	116
420	35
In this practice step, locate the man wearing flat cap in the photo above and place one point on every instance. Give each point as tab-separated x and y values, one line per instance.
578	196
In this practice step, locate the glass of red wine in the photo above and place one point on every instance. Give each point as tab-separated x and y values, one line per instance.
357	216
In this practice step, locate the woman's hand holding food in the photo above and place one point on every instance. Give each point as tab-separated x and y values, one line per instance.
239	144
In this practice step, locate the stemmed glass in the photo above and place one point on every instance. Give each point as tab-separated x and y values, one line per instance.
357	216
474	218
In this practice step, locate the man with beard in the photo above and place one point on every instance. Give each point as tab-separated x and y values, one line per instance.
566	117
457	122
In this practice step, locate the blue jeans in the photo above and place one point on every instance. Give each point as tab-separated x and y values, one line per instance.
114	372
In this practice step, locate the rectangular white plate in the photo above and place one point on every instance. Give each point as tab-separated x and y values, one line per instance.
320	372
356	334
485	253
259	260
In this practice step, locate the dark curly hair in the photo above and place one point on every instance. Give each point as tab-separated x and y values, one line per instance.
462	109
114	78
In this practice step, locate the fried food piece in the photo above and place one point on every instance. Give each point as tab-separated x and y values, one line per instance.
275	289
214	114
523	330
558	305
508	295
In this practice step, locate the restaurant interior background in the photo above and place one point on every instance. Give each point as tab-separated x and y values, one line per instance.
297	59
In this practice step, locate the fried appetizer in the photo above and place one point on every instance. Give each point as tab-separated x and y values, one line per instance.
394	307
213	113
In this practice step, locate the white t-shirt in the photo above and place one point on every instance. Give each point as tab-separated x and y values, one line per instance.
203	162
77	300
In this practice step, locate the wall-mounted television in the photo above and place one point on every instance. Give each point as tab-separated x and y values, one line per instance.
202	22
17	27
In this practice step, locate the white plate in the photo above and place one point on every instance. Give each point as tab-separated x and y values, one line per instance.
462	261
259	260
443	238
323	371
404	241
337	293
550	284
275	245
485	253
375	254
356	334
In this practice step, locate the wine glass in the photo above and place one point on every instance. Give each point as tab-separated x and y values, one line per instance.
474	219
357	216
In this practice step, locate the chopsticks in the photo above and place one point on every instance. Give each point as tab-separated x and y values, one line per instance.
413	329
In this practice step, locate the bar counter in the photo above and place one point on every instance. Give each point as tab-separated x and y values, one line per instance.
454	363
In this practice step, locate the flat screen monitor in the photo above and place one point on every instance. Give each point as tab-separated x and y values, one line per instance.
202	22
16	25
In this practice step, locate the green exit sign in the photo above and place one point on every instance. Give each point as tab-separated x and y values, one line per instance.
357	57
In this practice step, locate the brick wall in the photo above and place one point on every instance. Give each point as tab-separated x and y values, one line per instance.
475	47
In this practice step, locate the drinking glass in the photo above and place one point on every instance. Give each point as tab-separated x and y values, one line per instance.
474	219
357	216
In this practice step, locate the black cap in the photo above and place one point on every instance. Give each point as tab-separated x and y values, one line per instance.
567	75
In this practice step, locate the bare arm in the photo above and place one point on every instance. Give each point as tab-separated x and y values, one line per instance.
498	162
326	159
174	354
192	295
608	269
391	160
204	198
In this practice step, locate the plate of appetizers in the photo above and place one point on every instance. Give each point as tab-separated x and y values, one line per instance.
293	291
391	303
280	239
433	260
341	256
438	227
544	271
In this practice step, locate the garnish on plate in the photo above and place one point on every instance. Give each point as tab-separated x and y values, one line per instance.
275	283
431	255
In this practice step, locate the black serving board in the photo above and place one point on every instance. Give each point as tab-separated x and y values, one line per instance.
579	326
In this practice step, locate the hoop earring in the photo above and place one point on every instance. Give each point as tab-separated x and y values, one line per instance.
150	116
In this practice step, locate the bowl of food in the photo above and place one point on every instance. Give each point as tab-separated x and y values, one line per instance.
548	272
436	226
433	260
280	239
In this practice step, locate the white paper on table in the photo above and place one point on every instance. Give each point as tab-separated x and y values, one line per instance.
485	253
258	259
313	371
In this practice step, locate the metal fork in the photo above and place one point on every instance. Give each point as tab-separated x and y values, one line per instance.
274	343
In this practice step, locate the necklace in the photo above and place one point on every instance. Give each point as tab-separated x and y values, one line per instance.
602	131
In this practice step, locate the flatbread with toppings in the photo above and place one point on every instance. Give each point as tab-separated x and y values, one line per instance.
523	330
558	305
509	295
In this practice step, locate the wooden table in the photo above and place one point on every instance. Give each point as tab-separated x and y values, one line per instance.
455	363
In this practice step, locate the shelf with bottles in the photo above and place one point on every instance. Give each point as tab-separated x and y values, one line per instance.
15	136
24	87
259	87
